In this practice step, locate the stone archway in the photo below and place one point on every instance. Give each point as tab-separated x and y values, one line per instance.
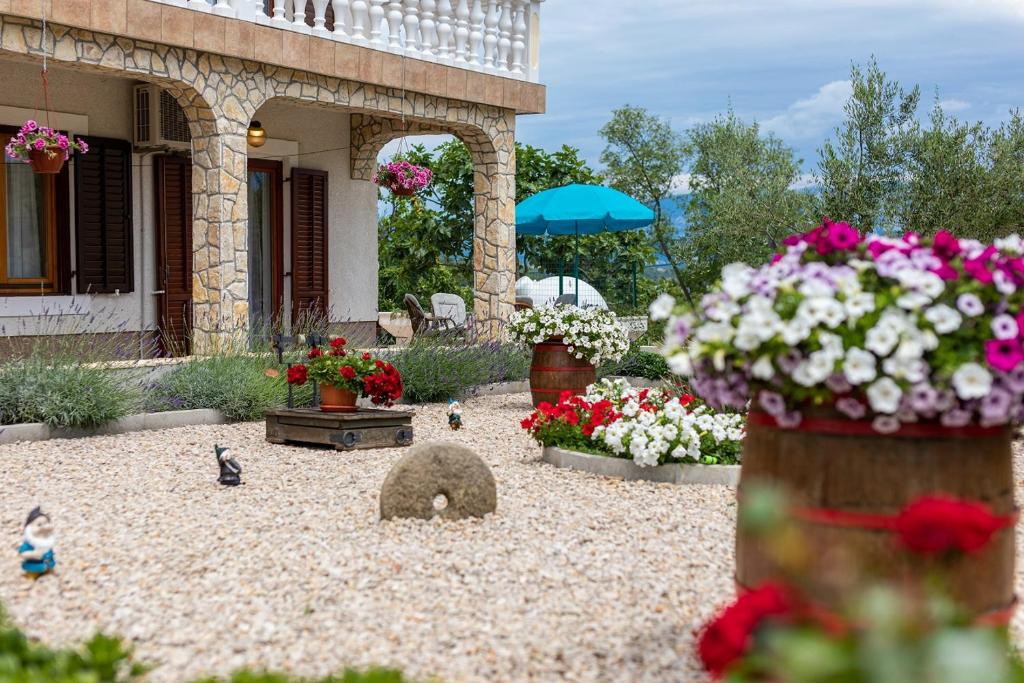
221	94
494	244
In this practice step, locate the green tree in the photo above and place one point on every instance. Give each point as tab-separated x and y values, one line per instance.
947	178
863	172
643	157
426	242
1005	183
741	202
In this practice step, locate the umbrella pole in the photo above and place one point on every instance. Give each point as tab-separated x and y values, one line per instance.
576	264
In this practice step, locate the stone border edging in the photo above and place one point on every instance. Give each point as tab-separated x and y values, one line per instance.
523	387
676	473
37	431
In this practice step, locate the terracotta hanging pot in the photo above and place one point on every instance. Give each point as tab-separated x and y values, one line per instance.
47	160
402	191
336	400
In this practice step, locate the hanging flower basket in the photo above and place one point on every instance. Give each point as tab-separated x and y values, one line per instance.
403	178
43	148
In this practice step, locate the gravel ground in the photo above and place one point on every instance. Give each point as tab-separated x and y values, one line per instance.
575	578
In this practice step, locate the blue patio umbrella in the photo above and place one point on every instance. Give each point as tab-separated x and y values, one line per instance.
580	209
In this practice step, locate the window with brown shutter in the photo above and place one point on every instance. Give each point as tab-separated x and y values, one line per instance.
34	229
103	217
309	242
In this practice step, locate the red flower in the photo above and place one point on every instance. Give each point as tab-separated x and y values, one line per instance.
314	352
729	635
338	343
935	525
379	363
297	374
366	356
348	372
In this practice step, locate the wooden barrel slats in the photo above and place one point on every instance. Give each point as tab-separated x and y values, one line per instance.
879	475
554	370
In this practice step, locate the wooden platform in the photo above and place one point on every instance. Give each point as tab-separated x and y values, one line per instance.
365	428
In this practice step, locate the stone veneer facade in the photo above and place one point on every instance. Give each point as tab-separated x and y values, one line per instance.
220	94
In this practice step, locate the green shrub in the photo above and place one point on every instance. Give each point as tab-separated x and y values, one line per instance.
236	385
439	368
100	660
637	363
62	393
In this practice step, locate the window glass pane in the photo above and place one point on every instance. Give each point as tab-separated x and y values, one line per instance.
26	221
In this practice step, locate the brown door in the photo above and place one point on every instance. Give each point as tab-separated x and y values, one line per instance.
265	244
174	253
309	245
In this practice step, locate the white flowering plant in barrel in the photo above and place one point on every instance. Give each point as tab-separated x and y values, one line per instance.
593	334
888	330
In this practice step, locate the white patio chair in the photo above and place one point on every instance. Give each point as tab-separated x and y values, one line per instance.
449	307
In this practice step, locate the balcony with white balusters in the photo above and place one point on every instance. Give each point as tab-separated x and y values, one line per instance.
498	37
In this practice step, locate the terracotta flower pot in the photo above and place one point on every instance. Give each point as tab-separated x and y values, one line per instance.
402	191
49	160
337	400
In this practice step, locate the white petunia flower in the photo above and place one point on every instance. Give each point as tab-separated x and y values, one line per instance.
943	318
881	339
971	380
859	366
884	396
661	308
763	368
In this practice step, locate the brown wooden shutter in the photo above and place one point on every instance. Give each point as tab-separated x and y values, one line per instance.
174	251
309	242
103	217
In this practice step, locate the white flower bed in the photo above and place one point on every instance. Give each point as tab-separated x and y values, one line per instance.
654	428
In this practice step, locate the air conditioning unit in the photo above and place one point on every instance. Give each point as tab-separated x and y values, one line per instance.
159	122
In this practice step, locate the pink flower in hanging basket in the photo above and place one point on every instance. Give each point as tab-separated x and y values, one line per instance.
32	136
402	177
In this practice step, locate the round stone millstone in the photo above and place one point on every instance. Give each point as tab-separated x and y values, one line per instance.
438	468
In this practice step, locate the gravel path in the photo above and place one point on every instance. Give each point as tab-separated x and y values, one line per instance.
575	578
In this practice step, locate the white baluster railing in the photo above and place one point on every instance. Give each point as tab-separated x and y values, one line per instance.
411	23
494	36
491	34
519	28
444	30
342	19
377	37
476	34
428	29
505	35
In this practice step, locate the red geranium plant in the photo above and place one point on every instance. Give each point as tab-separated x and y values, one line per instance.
358	372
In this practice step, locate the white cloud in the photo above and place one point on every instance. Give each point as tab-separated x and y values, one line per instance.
953	104
811	116
681	183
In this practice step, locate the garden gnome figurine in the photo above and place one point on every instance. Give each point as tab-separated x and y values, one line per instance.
36	549
454	415
230	471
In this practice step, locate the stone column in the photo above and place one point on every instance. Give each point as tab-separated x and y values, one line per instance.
494	229
220	285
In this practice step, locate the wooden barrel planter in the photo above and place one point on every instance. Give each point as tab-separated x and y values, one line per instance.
554	370
842	477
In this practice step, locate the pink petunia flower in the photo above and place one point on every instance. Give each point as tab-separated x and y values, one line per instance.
1004	354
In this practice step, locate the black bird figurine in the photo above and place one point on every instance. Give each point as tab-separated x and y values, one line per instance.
230	471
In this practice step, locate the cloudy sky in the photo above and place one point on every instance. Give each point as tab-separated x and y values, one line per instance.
784	63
